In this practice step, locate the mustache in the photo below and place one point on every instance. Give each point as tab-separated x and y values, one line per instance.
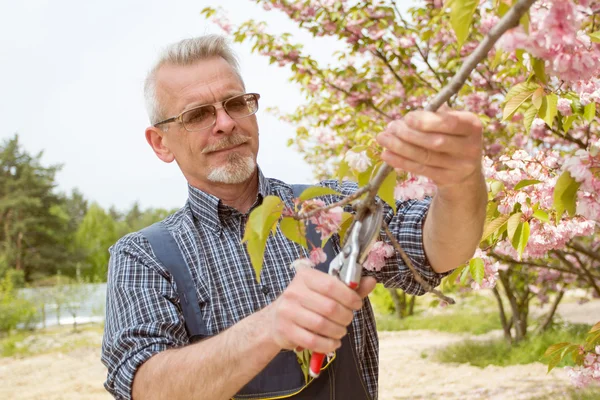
227	142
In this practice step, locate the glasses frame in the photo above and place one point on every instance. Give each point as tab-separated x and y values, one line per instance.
218	105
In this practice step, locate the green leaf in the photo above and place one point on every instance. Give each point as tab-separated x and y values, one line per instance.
565	195
513	224
450	280
294	230
493	226
256	249
343	171
516	101
589	112
477	269
549	109
537	98
595	328
461	17
386	190
347	219
526	182
365	177
555	348
464	275
539	68
529	116
317	191
595	37
554	361
541	215
568	122
521	237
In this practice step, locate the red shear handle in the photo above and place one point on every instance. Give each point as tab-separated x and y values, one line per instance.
316	362
316	359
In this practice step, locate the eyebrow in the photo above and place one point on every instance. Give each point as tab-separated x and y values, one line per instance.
227	96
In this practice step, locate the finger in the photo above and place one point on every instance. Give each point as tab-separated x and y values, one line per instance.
318	324
328	308
303	338
367	284
459	123
330	287
434	173
440	142
419	154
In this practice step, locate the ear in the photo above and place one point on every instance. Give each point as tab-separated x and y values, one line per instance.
158	141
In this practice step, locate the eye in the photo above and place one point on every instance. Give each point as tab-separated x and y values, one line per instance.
198	115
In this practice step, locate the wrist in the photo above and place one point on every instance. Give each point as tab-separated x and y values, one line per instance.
473	186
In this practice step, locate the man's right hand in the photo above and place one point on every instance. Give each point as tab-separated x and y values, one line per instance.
315	310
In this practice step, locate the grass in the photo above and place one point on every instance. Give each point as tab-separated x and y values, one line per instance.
56	339
591	393
498	352
474	323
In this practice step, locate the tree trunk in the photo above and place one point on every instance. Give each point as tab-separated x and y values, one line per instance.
505	325
550	315
517	311
411	305
19	259
397	303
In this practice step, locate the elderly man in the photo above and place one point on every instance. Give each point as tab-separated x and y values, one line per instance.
203	119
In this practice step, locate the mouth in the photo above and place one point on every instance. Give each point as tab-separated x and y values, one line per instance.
226	149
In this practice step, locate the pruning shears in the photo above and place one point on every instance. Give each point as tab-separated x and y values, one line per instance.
347	265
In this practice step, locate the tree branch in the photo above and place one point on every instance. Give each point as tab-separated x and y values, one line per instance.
415	273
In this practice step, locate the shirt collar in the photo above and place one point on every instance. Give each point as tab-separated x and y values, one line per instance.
210	211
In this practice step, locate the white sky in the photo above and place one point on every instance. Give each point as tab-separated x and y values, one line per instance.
71	85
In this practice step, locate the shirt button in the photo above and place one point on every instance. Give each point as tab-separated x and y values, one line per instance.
265	290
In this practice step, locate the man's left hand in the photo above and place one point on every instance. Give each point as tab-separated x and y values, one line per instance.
445	146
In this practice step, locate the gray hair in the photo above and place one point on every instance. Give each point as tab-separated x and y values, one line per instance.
183	53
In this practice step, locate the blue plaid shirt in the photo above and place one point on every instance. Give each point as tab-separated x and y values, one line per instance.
143	314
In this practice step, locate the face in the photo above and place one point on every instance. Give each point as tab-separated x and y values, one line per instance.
225	152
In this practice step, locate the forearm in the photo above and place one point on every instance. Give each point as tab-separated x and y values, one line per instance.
215	368
454	224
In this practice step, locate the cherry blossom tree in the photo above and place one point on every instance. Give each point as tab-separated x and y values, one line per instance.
535	89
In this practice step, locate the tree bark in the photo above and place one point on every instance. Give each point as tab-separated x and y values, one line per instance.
550	315
503	320
397	303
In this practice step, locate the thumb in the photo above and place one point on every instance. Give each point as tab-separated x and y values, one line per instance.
367	284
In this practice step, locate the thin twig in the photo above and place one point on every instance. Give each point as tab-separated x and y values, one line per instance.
510	20
415	273
341	203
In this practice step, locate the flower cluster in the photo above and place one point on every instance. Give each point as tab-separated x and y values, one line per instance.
588	373
377	256
326	222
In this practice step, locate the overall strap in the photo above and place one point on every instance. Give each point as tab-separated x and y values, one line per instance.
314	236
167	251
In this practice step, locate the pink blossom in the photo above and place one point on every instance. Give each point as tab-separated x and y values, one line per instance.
415	187
317	256
359	161
326	222
302	263
376	258
564	106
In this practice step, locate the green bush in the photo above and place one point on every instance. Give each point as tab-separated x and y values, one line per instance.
454	322
14	311
498	352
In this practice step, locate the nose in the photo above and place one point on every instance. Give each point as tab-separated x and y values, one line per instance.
223	123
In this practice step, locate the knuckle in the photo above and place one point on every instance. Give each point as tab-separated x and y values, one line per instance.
330	308
439	143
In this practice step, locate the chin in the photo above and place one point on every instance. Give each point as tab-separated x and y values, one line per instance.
237	169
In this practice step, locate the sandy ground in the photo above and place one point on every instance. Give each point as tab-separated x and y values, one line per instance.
406	370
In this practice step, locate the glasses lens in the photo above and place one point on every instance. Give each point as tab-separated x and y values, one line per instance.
241	106
199	118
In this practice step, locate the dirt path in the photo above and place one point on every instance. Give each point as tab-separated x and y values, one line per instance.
406	371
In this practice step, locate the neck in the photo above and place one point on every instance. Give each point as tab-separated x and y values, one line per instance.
240	196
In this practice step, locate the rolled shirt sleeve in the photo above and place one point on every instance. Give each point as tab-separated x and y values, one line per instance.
407	226
142	315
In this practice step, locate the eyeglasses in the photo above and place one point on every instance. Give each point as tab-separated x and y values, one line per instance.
202	117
